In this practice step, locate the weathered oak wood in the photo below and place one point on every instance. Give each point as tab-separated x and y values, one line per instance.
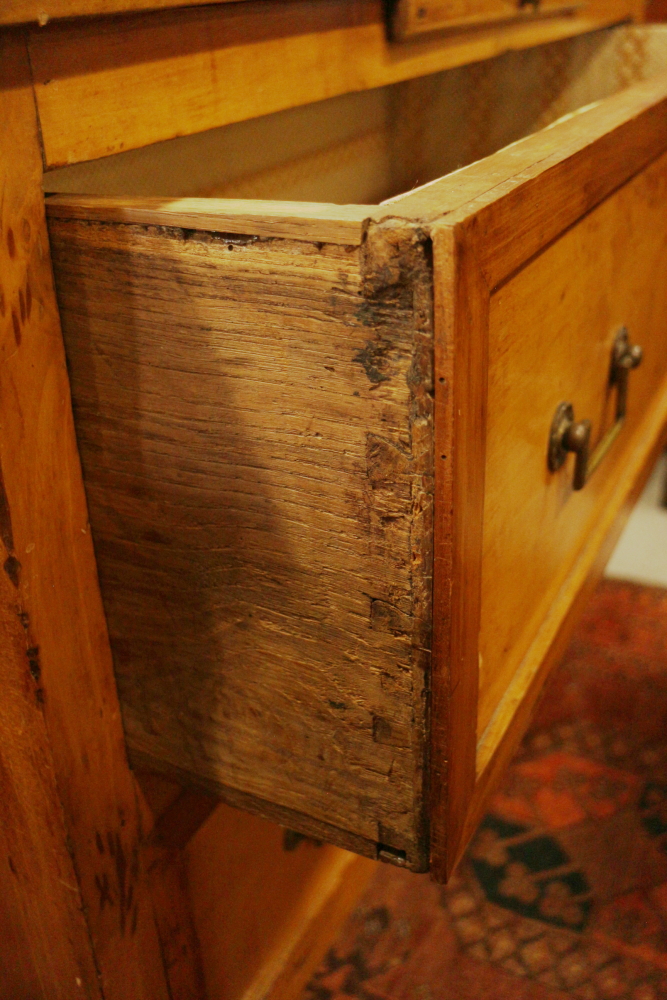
289	560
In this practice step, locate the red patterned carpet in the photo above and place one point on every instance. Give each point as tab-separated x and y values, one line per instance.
563	892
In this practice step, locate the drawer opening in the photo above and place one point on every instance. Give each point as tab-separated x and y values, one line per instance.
366	147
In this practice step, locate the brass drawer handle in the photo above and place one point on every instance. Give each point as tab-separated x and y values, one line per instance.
568	434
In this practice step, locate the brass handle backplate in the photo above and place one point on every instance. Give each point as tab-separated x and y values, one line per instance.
570	435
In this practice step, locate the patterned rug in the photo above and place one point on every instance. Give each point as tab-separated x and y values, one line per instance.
563	891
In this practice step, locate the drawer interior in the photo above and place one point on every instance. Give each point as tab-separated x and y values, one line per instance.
369	146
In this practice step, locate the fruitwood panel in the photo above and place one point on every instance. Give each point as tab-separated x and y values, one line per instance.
502	736
479	252
254	420
45	945
606	272
56	660
98	94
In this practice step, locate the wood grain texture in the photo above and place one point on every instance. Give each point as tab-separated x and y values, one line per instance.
254	418
45	943
64	669
362	147
255	415
202	70
43	11
265	916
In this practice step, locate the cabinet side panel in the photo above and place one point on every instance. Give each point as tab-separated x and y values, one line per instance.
76	915
258	471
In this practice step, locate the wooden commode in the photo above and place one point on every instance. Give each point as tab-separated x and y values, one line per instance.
314	441
365	328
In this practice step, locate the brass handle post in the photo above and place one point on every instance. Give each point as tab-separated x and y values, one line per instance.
570	435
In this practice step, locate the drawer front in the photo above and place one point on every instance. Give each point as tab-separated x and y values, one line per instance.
532	303
552	329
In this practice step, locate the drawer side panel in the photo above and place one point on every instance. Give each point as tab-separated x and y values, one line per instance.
254	424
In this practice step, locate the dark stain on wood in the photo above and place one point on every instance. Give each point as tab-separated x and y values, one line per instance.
117	887
12	568
3	307
387	618
11	243
22	305
121	872
17	328
370	358
104	890
33	662
36	673
381	730
386	461
11	565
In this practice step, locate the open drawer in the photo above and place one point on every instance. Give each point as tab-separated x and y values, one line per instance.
336	524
